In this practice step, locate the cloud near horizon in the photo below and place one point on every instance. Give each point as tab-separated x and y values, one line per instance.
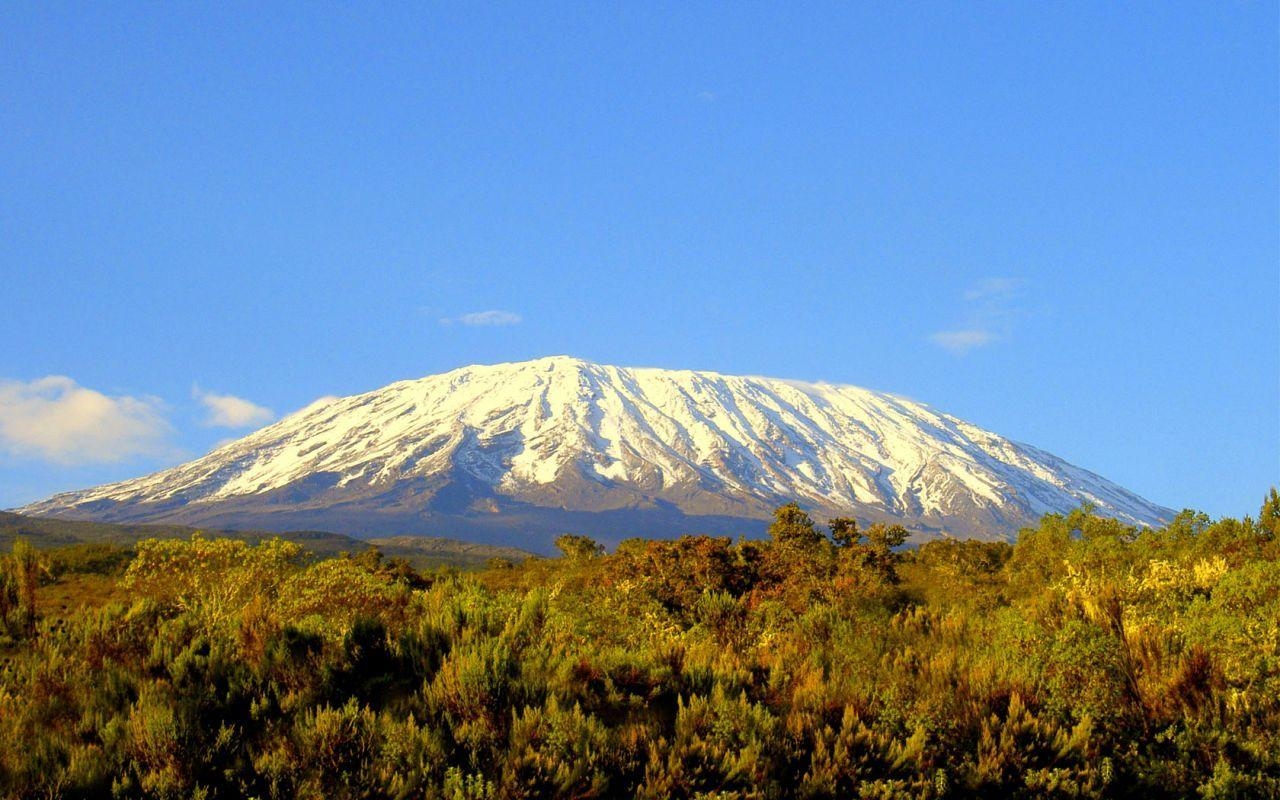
229	411
492	318
55	419
989	314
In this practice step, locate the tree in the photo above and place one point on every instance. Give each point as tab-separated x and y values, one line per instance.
370	559
796	566
578	548
1269	516
18	583
792	527
216	578
844	531
870	550
878	553
883	538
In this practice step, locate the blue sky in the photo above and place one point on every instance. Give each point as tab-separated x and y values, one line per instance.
1058	221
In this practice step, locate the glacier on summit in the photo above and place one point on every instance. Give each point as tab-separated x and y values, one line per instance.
501	452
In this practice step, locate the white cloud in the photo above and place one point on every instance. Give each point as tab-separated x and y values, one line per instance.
229	411
961	342
990	309
993	287
490	318
56	419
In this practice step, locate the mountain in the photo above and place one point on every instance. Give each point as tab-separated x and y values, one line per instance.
516	453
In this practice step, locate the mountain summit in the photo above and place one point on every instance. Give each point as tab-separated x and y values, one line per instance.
519	452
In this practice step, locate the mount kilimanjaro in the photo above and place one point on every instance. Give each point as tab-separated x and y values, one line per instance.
517	453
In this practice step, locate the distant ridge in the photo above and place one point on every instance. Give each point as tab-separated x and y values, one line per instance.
515	453
421	551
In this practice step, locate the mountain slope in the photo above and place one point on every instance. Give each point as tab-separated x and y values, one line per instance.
514	452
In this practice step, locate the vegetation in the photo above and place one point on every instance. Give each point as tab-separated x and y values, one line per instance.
423	552
1089	659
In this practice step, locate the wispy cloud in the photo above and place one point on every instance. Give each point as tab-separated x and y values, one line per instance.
492	318
55	419
988	288
962	341
229	411
990	307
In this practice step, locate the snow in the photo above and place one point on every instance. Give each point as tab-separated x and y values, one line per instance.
524	424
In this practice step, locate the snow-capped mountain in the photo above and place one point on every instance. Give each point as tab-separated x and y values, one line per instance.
518	452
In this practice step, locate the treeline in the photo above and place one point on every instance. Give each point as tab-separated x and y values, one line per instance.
1089	659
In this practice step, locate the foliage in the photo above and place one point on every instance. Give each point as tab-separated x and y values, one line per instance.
69	536
1089	659
19	578
578	547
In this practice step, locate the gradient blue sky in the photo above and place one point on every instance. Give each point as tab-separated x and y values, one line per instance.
1058	221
